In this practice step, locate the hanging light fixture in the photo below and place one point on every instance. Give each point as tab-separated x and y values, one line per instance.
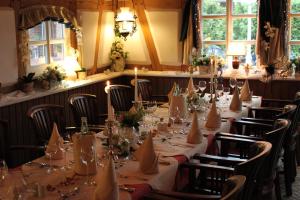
125	21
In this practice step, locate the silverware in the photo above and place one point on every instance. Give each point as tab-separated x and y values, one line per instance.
126	188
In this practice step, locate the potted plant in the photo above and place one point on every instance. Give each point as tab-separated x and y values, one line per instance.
51	77
81	74
27	82
118	55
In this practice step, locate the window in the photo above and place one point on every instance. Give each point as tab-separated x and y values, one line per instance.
229	21
294	36
46	43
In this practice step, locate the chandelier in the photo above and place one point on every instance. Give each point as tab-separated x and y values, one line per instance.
125	22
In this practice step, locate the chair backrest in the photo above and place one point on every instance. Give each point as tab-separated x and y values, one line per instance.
251	168
3	141
233	187
84	105
43	117
121	97
145	89
276	138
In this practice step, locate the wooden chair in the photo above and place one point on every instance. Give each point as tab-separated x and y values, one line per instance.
232	188
145	89
3	140
290	141
85	105
121	97
268	173
43	117
212	176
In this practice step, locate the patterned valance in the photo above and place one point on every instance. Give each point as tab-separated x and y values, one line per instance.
31	16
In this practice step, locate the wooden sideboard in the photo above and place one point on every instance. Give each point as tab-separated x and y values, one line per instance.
21	130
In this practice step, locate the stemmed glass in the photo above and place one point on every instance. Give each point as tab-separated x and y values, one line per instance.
87	155
50	151
240	85
3	171
67	147
202	86
219	89
226	92
232	83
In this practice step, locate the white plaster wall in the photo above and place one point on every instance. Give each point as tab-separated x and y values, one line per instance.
165	29
8	47
89	23
164	26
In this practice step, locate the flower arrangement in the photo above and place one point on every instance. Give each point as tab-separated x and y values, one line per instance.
131	118
118	55
194	101
52	75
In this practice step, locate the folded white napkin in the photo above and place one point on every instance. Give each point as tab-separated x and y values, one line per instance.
147	157
245	92
236	104
213	118
180	103
171	93
190	86
55	144
195	135
107	185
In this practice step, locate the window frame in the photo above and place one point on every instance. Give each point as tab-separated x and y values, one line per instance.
229	17
290	16
48	42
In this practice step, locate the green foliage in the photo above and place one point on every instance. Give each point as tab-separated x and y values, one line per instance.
117	50
131	118
27	79
52	74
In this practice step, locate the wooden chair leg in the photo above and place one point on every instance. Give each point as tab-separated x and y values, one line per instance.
287	174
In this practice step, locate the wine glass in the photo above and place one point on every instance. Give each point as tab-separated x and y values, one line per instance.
226	92
3	171
240	85
219	89
232	82
87	155
202	86
50	151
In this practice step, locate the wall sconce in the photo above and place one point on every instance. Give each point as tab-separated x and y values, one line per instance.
125	22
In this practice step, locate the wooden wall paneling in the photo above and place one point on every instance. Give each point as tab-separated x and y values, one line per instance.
5	3
140	9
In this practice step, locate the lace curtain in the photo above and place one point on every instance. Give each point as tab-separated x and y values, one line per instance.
32	16
271	47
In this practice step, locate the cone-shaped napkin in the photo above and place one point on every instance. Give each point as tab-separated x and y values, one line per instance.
245	92
54	145
236	104
178	106
140	97
171	93
190	86
147	157
213	118
195	135
107	186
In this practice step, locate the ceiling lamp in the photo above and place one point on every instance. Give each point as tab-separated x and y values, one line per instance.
125	22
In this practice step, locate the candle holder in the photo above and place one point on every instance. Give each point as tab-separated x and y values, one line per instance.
110	152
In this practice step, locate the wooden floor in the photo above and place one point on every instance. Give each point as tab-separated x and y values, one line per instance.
296	189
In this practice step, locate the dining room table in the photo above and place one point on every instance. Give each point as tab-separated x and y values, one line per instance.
32	180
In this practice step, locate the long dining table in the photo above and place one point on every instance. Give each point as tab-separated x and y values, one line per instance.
31	180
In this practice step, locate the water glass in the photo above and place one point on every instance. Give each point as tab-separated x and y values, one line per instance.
3	171
240	84
232	82
202	86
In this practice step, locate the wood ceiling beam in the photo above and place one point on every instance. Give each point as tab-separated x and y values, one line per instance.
140	9
148	4
98	34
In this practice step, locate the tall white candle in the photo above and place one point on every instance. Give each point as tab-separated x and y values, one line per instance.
211	75
135	85
109	108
